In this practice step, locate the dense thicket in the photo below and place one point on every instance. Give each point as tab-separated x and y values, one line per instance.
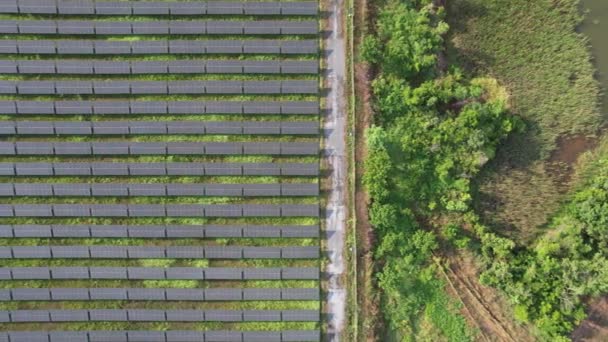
434	131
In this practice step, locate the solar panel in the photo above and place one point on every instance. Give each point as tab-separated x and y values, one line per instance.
35	128
299	8
40	210
113	8
300	47
262	87
185	210
146	336
223	210
223	252
186	67
110	128
114	231
106	47
293	189
30	87
108	294
186	252
223	231
223	169
301	335
30	67
224	273
223	316
295	210
184	273
299	87
111	107
302	273
111	67
71	336
148	149
300	294
150	8
75	7
149	87
223	336
187	47
262	336
146	315
185	294
142	252
146	294
105	315
261	8
109	169
261	253
185	127
224	46
150	27
300	316
107	336
185	316
261	127
185	232
29	27
111	88
300	231
224	107
185	190
262	231
108	252
224	67
71	210
70	294
224	87
30	316
31	294
73	88
29	336
224	27
72	252
72	107
262	190
261	294
263	27
150	47
71	231
187	27
147	273
149	67
107	273
110	148
69	315
300	27
261	148
260	273
261	67
72	128
75	27
224	7
147	190
9	6
184	336
147	169
74	67
223	294
25	273
31	46
262	107
304	169
187	8
261	169
69	273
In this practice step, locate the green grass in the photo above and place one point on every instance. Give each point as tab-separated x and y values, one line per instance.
533	49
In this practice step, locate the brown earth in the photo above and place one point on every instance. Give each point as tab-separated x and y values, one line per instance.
482	306
562	162
370	322
595	327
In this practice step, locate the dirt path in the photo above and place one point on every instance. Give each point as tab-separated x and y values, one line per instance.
482	306
336	158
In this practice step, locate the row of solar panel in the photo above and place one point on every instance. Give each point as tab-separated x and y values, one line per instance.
22	148
157	127
157	67
89	7
159	27
162	336
159	169
159	210
159	273
158	107
153	252
157	231
155	189
146	47
157	87
139	315
157	294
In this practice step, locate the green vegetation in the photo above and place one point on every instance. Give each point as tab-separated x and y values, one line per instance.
535	51
434	131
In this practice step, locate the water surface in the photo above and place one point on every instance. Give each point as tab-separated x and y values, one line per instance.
595	27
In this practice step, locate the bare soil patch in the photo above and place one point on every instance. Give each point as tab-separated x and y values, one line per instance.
595	327
483	307
562	162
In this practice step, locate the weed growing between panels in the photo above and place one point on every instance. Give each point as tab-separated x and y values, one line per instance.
244	305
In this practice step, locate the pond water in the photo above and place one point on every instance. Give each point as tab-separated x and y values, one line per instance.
595	27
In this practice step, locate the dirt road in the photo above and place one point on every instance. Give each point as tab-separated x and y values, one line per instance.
335	154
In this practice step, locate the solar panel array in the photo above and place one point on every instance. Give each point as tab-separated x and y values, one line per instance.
160	164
